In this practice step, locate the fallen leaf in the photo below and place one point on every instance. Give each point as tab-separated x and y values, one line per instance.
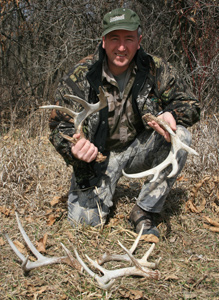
42	290
51	220
70	236
150	238
190	206
202	206
171	277
41	244
5	210
210	221
182	178
211	228
29	219
55	200
2	242
137	294
132	294
21	248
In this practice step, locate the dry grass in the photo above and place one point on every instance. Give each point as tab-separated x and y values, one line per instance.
35	182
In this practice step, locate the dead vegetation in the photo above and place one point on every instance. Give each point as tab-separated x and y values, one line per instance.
34	181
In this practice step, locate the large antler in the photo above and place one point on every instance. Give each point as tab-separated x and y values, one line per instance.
125	257
80	117
176	145
28	265
139	267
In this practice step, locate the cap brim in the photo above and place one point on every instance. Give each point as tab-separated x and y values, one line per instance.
120	27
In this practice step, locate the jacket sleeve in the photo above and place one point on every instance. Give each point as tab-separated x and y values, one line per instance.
174	95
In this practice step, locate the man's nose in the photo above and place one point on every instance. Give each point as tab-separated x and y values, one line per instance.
121	47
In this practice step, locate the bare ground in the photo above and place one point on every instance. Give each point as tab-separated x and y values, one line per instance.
34	181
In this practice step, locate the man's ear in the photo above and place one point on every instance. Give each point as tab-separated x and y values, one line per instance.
139	41
103	42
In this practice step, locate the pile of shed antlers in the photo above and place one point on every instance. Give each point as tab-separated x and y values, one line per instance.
139	267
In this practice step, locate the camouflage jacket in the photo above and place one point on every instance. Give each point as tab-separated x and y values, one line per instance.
157	87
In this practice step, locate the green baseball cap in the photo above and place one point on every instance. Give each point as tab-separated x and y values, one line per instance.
120	18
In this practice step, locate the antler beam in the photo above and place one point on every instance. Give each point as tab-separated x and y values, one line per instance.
42	260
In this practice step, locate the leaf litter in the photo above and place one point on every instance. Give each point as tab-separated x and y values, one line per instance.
35	184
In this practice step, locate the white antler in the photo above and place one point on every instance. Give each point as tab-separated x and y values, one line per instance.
176	145
28	265
106	281
89	109
143	261
80	117
139	268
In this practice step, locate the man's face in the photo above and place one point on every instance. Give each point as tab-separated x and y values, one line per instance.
120	47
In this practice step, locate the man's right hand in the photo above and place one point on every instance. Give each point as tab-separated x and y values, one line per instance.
84	150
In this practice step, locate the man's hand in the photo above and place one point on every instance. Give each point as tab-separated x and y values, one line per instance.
168	118
84	149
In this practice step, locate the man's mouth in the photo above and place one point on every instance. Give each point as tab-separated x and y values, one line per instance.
120	55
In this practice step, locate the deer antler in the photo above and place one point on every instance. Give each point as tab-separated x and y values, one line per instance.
28	265
171	158
80	117
139	269
143	261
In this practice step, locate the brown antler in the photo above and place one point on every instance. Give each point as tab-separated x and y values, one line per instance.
42	260
171	158
80	117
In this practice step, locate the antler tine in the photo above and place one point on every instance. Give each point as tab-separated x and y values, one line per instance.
144	260
27	240
100	280
28	265
107	280
89	108
125	257
176	145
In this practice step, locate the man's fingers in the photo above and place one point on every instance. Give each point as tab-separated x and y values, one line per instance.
160	130
84	150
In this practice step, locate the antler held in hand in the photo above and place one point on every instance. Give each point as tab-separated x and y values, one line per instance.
80	117
171	158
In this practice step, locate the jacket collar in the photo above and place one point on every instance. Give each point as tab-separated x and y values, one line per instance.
142	60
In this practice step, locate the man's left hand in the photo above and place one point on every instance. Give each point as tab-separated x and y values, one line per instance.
168	118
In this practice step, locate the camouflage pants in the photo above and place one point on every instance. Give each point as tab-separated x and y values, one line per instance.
91	206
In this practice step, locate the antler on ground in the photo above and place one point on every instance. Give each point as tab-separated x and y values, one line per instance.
139	268
42	260
176	145
125	257
80	117
109	276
